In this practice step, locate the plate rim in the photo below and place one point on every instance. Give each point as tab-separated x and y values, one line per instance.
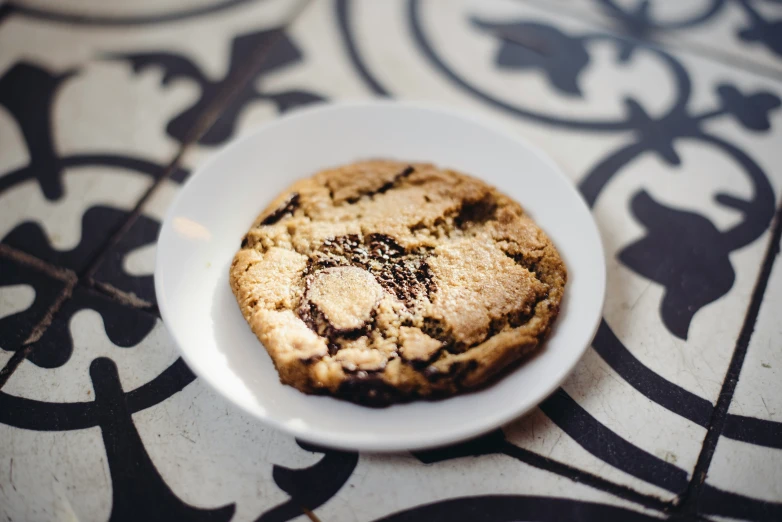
328	438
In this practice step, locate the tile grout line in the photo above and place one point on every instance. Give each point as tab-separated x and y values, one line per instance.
674	44
128	298
35	333
202	125
86	274
68	277
23	258
85	277
689	499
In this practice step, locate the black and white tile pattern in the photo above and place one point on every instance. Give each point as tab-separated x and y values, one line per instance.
746	32
28	290
105	109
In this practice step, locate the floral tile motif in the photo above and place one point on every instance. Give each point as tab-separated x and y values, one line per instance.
96	102
127	266
745	33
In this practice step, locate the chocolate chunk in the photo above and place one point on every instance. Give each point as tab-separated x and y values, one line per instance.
476	212
286	208
347	295
401	272
437	329
317	321
528	262
388	186
426	278
384	187
369	390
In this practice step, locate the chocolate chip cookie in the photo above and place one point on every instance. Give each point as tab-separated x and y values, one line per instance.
382	282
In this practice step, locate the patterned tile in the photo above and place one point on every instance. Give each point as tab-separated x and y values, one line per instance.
120	430
95	109
648	388
700	145
97	364
335	485
128	266
757	391
744	32
28	290
87	327
676	154
748	458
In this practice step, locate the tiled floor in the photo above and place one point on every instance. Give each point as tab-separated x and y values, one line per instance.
746	32
672	136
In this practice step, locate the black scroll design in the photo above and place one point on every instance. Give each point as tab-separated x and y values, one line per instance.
310	487
14	328
684	263
588	433
509	508
55	346
245	51
585	430
760	30
640	22
715	501
138	490
29	92
135	480
533	45
522	47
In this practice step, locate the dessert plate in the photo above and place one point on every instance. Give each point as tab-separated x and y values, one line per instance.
204	226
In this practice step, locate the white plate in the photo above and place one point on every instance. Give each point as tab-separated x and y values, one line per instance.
205	224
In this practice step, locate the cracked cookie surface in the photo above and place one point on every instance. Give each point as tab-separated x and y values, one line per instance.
383	281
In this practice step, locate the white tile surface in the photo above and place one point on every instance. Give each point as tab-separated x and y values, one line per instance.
758	389
211	455
747	469
105	95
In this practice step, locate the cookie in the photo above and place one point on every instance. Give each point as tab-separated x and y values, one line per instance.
382	282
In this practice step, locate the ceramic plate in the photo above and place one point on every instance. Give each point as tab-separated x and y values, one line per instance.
204	227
